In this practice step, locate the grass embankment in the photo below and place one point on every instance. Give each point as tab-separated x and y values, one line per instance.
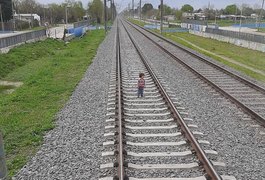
250	58
135	21
247	57
50	72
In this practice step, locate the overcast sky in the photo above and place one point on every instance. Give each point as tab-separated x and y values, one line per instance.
121	4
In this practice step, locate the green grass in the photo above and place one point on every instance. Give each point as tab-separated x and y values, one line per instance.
251	58
50	72
135	21
22	55
223	22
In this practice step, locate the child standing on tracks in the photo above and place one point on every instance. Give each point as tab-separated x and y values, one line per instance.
141	85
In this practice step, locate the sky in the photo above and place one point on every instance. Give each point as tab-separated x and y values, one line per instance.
122	4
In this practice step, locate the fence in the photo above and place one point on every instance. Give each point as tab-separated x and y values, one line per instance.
21	38
193	21
81	23
238	35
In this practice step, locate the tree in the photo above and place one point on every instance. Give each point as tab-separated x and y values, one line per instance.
147	7
247	10
187	8
167	10
6	6
231	9
95	9
76	11
27	6
178	14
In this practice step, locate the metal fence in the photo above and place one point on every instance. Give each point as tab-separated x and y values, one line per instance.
193	21
17	39
238	35
81	23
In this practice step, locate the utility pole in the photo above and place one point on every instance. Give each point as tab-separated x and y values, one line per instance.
215	17
105	16
66	13
111	10
129	10
140	10
260	14
13	14
241	14
161	20
132	8
2	21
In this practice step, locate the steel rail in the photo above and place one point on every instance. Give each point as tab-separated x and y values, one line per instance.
204	161
119	108
239	78
244	107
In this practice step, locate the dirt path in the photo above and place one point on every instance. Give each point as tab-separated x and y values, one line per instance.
9	83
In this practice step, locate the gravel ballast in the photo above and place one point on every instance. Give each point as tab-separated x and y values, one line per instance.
72	150
239	144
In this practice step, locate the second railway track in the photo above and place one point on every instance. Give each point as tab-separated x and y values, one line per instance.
248	96
153	137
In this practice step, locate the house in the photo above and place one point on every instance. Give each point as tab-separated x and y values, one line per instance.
198	16
27	17
254	16
187	15
170	18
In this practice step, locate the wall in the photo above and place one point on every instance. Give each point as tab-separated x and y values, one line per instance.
81	23
238	35
239	42
9	42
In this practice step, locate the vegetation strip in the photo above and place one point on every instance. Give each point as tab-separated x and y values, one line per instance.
252	59
220	56
49	77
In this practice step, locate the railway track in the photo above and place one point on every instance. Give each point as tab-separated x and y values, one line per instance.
150	138
248	96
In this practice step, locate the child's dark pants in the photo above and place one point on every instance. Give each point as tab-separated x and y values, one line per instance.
140	92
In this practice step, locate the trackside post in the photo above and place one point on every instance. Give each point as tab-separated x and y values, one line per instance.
3	168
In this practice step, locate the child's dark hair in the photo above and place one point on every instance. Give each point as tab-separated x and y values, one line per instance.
141	75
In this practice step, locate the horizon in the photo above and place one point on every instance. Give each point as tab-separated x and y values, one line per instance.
197	4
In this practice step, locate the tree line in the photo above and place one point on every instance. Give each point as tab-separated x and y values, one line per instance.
55	13
210	12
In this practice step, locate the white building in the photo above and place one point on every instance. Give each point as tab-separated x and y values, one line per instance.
27	17
170	18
